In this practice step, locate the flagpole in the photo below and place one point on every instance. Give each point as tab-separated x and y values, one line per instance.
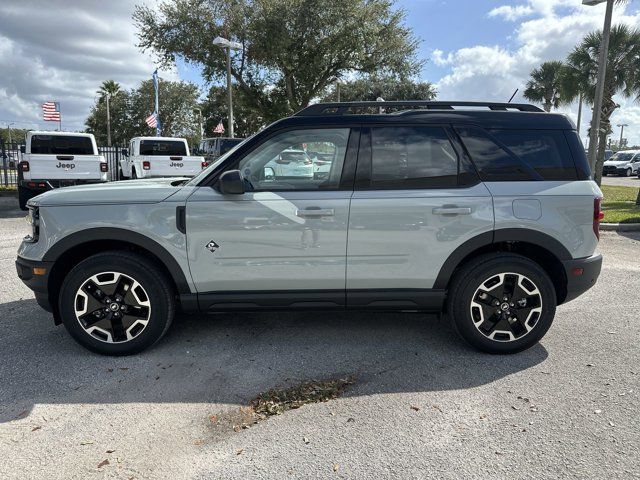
60	117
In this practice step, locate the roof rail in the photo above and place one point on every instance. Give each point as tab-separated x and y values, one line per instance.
349	108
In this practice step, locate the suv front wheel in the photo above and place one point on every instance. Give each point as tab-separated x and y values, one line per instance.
116	303
502	303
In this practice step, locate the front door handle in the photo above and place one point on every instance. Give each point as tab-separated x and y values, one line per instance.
313	212
452	211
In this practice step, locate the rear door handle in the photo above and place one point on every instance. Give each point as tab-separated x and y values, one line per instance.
452	211
64	157
312	212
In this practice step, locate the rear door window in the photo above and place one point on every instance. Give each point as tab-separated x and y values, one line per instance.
162	147
546	151
412	157
61	145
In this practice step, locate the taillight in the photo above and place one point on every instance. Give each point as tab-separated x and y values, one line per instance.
146	165
204	165
598	216
24	166
104	167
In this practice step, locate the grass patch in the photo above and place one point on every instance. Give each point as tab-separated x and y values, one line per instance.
619	204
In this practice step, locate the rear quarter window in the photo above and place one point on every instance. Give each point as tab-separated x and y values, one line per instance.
61	145
546	151
162	147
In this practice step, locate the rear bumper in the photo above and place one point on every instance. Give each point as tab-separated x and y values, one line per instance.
37	283
578	283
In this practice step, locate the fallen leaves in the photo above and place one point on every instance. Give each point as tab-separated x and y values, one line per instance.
34	429
103	463
415	407
336	467
278	401
239	451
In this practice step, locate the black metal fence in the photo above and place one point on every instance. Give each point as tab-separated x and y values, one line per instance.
10	157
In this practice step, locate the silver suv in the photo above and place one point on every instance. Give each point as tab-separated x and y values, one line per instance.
484	211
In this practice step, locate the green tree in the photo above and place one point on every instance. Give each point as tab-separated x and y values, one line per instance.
129	109
247	119
387	87
293	49
96	123
622	77
177	101
545	85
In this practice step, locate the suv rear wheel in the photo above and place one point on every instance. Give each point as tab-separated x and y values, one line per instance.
502	303
116	303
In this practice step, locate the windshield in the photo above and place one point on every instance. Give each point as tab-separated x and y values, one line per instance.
195	180
622	157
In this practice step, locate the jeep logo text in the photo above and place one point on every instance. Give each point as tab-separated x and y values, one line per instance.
66	166
176	164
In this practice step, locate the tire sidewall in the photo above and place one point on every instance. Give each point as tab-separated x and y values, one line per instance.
144	274
483	271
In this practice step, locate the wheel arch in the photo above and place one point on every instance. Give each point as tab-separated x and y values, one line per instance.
539	247
76	247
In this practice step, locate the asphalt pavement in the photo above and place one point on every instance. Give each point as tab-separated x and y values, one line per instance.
423	405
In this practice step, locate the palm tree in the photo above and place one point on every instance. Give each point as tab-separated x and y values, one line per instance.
545	85
622	76
109	87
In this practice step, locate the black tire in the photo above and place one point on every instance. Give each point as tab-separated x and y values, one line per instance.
156	287
479	273
134	175
628	172
24	195
121	174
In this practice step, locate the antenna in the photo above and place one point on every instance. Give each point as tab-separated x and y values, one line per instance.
514	94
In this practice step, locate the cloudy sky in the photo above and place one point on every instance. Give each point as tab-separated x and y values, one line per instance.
477	50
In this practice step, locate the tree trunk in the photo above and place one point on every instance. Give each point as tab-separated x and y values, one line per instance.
638	199
602	146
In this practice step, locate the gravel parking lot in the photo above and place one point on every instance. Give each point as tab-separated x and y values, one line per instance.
423	404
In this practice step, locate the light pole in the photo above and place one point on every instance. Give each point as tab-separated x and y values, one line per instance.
602	72
621	125
229	45
196	109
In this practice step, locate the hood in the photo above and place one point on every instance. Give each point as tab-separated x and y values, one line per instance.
151	190
615	163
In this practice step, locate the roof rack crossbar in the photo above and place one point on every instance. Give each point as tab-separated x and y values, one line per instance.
344	108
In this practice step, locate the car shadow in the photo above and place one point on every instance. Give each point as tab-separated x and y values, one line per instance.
229	359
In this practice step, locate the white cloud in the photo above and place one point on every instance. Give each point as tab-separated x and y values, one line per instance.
492	73
511	13
60	51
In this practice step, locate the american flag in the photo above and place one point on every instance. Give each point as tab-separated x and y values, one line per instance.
152	120
219	128
51	111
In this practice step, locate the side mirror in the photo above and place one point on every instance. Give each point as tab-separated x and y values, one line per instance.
23	149
125	152
231	183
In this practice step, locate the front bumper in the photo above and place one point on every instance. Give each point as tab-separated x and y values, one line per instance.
581	274
37	283
45	185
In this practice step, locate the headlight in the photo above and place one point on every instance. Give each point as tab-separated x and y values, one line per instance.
33	219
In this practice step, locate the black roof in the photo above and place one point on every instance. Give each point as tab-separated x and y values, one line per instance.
485	114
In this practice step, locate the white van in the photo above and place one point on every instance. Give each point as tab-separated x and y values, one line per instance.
159	157
58	159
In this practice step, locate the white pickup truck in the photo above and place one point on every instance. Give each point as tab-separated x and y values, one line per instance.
159	157
58	159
